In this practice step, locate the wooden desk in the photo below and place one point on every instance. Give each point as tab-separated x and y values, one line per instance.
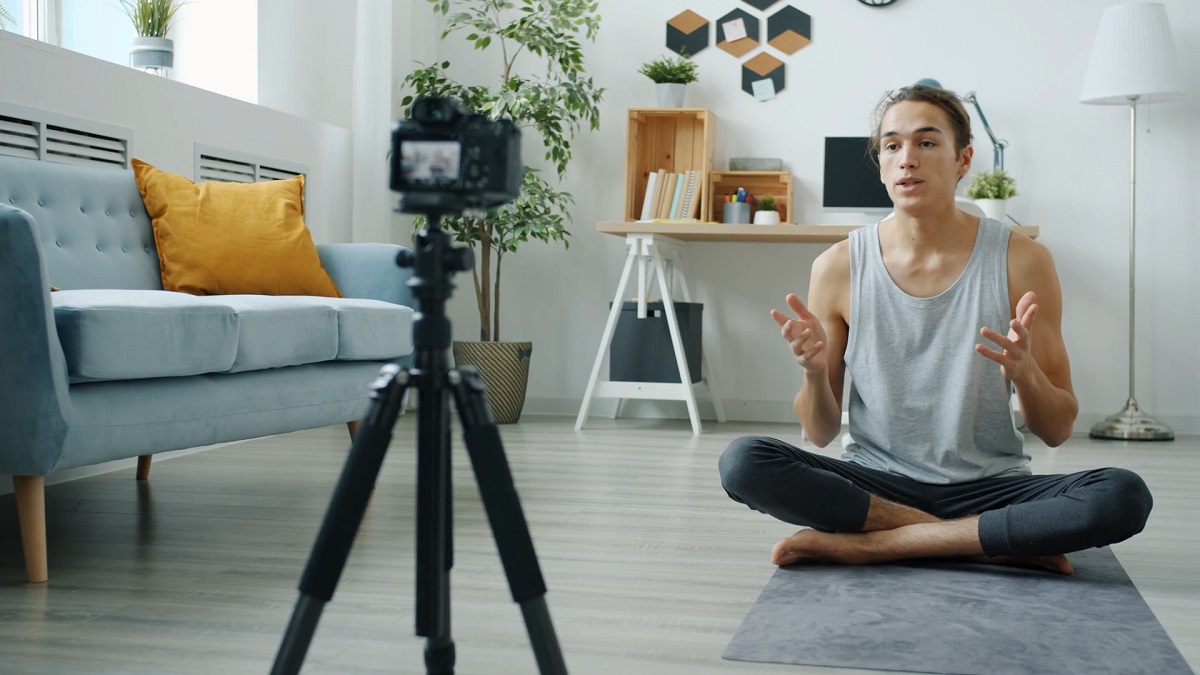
785	233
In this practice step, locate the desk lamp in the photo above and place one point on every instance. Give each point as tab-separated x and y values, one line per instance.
1133	59
998	145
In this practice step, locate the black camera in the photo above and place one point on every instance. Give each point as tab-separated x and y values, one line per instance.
446	159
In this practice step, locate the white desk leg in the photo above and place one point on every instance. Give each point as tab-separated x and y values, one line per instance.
680	358
606	339
710	377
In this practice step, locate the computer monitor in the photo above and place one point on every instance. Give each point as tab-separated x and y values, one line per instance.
851	178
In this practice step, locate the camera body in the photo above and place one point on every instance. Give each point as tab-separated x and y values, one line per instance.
446	160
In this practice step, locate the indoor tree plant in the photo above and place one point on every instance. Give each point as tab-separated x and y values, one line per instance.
991	190
152	19
671	75
554	102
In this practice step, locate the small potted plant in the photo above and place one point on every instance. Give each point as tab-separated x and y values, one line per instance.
671	75
991	190
152	19
766	213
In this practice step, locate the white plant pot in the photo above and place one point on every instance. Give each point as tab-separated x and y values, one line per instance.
993	208
766	217
670	94
152	53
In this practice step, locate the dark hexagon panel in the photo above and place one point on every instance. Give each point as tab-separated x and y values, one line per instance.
762	67
789	30
760	4
742	45
687	33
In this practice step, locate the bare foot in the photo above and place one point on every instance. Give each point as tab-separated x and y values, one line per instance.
1052	563
863	548
819	547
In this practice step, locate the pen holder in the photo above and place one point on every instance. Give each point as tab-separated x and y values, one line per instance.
736	213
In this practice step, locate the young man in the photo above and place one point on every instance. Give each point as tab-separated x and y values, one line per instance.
934	313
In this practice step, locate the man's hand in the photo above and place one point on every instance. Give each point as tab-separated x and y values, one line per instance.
1016	350
804	335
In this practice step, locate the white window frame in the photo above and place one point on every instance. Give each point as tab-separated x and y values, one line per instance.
43	20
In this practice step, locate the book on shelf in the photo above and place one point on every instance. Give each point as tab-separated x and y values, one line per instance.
648	201
691	196
673	210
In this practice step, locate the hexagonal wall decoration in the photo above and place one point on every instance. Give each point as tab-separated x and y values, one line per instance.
742	45
687	33
760	4
789	30
762	67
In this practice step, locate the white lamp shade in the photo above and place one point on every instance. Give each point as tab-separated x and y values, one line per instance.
1133	55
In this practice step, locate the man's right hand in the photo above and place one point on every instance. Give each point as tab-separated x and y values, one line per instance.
804	335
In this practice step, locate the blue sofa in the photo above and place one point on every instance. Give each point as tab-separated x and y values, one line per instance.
112	367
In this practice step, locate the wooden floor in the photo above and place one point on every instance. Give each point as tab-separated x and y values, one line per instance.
651	568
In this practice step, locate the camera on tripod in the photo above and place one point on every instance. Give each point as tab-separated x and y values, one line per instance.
446	159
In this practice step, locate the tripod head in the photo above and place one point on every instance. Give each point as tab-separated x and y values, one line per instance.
434	260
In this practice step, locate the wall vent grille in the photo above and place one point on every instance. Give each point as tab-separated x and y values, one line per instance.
213	163
36	134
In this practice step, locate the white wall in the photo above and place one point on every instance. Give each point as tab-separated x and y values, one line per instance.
306	57
1026	60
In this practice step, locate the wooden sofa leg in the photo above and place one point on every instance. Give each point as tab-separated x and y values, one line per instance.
143	470
353	427
31	512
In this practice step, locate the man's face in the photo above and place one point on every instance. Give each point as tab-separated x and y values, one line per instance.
917	160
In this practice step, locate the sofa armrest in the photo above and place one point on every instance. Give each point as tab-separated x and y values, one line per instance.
368	271
35	408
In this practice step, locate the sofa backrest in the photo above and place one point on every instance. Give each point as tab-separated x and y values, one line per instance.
93	226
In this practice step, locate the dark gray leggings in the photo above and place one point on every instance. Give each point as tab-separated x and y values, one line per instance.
1018	515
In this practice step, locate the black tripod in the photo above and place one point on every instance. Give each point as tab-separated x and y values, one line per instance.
434	261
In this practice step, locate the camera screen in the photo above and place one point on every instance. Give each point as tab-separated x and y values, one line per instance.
429	162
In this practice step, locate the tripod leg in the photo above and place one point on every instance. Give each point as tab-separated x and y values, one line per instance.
503	507
344	516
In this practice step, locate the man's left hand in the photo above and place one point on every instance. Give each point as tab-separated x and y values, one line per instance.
1016	350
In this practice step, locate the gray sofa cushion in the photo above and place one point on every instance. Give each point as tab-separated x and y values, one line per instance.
370	330
130	334
280	330
134	334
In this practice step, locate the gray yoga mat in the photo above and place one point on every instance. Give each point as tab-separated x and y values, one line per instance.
955	617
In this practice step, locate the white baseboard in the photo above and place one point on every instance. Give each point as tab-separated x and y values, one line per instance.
761	411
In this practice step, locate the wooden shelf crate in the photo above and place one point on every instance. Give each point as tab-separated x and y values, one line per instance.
671	139
778	184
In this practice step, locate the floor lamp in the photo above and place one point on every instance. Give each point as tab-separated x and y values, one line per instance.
1133	61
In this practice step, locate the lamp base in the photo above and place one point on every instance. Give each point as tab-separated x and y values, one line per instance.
1131	424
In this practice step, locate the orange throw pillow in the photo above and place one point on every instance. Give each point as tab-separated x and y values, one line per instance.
219	238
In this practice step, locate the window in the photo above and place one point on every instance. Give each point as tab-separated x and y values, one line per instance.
216	41
12	16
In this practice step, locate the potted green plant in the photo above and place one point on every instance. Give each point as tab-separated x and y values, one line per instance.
991	190
766	214
553	105
671	76
152	19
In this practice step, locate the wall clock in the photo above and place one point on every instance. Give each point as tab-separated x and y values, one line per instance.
877	3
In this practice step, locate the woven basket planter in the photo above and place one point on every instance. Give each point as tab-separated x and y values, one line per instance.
504	367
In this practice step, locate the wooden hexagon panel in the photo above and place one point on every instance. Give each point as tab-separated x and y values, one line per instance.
687	33
760	4
737	32
789	30
762	67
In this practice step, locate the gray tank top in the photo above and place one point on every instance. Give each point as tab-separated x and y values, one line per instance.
922	402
